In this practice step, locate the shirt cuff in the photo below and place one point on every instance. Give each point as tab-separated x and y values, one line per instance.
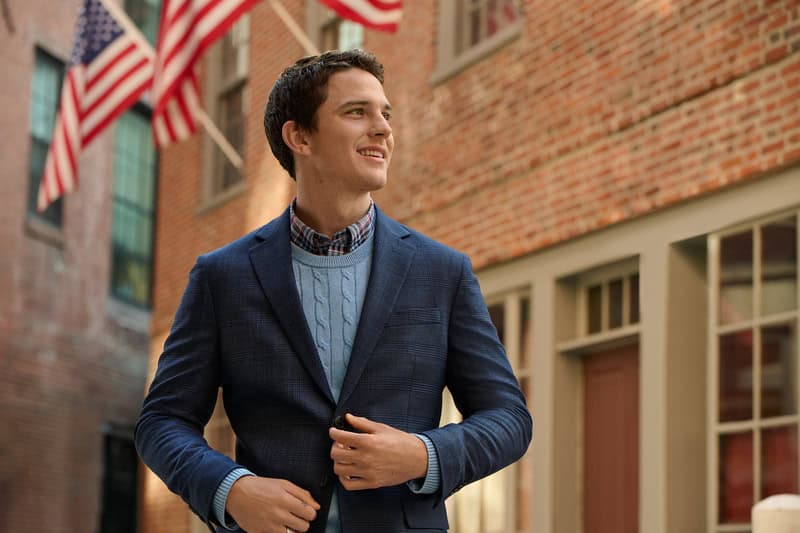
433	478
221	496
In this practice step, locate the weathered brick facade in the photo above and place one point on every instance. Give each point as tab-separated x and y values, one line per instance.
71	361
598	113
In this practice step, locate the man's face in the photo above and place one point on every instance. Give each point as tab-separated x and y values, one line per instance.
352	145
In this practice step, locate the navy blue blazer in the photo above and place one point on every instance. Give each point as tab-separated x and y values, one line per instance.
240	326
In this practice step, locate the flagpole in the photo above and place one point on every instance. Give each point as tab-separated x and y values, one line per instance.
298	33
127	24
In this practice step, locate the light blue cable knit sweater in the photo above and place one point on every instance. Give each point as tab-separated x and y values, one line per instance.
332	290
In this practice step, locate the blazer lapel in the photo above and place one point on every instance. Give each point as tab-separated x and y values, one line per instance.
272	262
391	259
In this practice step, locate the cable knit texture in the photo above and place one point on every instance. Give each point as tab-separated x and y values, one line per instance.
332	290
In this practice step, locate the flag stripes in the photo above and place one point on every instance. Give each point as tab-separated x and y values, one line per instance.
383	15
188	27
108	72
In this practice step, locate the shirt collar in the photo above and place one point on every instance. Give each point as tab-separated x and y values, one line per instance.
343	241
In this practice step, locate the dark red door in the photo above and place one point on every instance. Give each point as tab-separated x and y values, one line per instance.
611	441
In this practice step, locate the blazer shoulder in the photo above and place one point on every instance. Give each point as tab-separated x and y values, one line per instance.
430	250
238	251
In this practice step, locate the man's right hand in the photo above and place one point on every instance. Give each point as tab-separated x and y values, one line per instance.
267	505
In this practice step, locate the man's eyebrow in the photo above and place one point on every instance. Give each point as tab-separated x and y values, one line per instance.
349	103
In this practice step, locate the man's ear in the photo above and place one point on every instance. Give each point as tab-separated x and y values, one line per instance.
296	137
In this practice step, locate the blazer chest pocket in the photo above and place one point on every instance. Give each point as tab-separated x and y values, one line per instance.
414	315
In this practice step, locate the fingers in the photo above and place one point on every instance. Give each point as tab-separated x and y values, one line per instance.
348	438
343	454
296	523
301	494
363	424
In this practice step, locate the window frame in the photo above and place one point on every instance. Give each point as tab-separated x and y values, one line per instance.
35	224
145	111
213	194
320	19
521	359
581	340
449	60
120	433
756	424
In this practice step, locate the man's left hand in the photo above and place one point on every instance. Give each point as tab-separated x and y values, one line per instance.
378	456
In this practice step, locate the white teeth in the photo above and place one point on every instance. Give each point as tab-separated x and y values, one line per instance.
371	153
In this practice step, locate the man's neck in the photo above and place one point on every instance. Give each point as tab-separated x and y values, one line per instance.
329	215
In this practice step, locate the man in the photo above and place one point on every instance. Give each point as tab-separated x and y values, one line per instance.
332	331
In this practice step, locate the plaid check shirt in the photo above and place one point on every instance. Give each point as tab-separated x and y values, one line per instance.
343	241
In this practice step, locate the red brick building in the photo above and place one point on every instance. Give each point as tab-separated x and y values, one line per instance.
626	179
75	285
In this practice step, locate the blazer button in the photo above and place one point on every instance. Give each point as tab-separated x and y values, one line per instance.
339	422
324	481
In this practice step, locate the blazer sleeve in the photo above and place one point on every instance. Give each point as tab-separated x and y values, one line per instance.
497	427
169	432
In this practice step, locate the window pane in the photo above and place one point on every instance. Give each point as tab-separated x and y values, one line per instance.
595	308
500	15
615	303
132	210
736	278
634	298
779	266
45	93
351	35
47	75
735	477
524	492
145	14
526	333
232	125
494	495
118	514
778	363
736	376
497	313
779	461
53	214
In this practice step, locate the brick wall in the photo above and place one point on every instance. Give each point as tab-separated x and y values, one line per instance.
68	365
599	112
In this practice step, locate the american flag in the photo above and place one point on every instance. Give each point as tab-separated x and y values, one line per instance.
381	15
187	28
108	71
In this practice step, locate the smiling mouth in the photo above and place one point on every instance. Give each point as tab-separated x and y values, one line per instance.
376	154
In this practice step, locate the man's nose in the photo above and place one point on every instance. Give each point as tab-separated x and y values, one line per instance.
381	126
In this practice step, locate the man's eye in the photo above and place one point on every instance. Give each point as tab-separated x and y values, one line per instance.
357	111
387	116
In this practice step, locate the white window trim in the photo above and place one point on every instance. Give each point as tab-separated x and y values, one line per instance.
756	424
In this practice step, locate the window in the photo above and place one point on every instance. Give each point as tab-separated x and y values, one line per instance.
499	503
48	74
472	29
145	14
118	512
754	407
329	31
611	303
338	34
227	79
132	209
